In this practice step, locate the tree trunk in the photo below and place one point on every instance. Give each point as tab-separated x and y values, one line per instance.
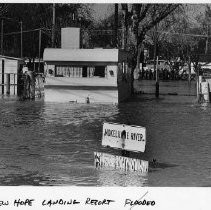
139	49
197	81
138	55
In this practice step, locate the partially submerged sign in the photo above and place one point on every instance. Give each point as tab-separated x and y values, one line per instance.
120	162
131	138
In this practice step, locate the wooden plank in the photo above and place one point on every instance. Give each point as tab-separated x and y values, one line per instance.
119	162
131	138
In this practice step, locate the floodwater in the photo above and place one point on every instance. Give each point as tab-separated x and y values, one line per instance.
53	143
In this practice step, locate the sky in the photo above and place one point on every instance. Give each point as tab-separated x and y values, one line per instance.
102	10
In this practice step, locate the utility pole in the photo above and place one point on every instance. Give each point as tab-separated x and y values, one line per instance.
125	26
2	77
206	49
40	40
116	26
21	24
156	64
2	34
53	27
123	35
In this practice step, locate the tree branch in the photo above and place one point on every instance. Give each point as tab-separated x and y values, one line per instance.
163	15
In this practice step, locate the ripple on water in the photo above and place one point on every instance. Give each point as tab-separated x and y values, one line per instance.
53	143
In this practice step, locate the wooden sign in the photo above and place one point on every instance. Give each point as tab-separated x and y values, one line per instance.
120	162
131	138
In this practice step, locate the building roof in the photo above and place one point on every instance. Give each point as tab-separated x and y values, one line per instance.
81	55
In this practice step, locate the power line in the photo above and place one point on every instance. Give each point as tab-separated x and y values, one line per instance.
184	34
26	31
110	31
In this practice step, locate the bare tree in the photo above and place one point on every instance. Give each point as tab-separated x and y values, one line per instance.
187	37
3	9
141	18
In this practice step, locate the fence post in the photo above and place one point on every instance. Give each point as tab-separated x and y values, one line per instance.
8	84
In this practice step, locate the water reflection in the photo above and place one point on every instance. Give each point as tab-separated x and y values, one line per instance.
205	106
156	166
26	179
112	177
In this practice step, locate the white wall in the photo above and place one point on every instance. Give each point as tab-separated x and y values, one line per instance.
70	38
111	69
10	66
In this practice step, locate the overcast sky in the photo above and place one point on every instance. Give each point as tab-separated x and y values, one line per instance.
103	10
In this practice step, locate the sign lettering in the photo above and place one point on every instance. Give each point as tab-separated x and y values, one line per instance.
131	138
120	162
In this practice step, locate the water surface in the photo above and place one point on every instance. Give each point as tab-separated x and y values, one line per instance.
53	143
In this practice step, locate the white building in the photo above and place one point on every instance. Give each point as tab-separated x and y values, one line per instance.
8	73
86	75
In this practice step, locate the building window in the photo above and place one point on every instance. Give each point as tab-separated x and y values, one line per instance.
80	71
111	73
99	71
68	71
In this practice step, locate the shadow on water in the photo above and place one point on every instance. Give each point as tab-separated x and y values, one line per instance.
18	113
155	166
